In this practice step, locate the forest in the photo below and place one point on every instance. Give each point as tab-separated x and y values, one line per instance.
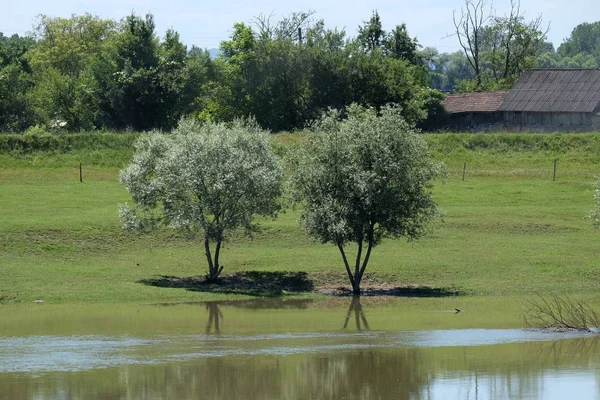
85	73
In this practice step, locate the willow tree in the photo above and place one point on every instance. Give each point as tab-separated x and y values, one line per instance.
362	179
205	179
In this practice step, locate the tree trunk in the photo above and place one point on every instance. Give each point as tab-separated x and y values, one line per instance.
356	285
360	263
214	270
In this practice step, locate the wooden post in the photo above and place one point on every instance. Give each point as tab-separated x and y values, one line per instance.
554	175
299	35
464	170
80	173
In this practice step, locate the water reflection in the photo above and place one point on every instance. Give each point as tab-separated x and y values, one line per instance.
214	315
245	359
492	372
359	314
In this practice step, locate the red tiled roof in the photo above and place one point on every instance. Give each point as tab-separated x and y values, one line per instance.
475	102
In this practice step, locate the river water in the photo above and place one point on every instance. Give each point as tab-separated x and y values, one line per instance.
288	349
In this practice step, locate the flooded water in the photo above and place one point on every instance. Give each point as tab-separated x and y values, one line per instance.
289	349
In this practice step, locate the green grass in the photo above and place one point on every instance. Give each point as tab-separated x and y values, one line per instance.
508	228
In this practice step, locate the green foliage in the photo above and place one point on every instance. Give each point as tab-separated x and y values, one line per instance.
363	179
205	178
400	45
585	38
69	44
498	48
595	213
445	70
16	83
371	36
397	43
84	73
580	50
63	59
285	83
16	113
128	77
38	140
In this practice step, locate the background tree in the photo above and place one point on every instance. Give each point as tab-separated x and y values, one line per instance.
580	50
16	84
585	38
400	45
497	48
361	180
205	179
88	73
129	77
62	63
445	70
371	36
328	60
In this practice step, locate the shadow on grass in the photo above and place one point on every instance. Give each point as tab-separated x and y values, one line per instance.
251	283
420	291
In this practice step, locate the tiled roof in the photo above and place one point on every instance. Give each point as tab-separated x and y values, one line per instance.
555	90
474	102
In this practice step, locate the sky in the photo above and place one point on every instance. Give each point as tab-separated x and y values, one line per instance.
206	23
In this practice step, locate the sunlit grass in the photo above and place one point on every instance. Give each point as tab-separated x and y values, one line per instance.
508	229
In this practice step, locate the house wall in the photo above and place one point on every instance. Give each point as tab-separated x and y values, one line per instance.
595	119
550	122
477	121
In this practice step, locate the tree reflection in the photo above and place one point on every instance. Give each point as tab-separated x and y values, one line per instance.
328	366
359	315
214	316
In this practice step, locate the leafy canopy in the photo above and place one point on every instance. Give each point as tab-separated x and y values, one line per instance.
208	179
362	179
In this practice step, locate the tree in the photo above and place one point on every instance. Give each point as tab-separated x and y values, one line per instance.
68	44
497	48
400	45
445	70
290	27
371	36
128	76
361	180
16	83
62	63
585	38
208	179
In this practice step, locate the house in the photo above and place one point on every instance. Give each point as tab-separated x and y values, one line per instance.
554	100
547	100
475	111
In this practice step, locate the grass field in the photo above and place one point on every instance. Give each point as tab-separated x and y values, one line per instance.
508	228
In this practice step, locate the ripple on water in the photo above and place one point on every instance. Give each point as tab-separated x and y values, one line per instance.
79	353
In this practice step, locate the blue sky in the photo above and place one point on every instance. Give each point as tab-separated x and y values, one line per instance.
206	23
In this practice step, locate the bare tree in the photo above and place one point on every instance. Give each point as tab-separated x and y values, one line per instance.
469	26
560	312
514	42
290	27
497	47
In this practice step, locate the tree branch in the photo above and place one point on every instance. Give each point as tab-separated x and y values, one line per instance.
341	248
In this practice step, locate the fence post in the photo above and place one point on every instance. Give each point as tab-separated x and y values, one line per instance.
554	175
80	173
464	170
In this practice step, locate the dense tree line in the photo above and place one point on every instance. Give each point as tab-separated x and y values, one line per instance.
87	73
